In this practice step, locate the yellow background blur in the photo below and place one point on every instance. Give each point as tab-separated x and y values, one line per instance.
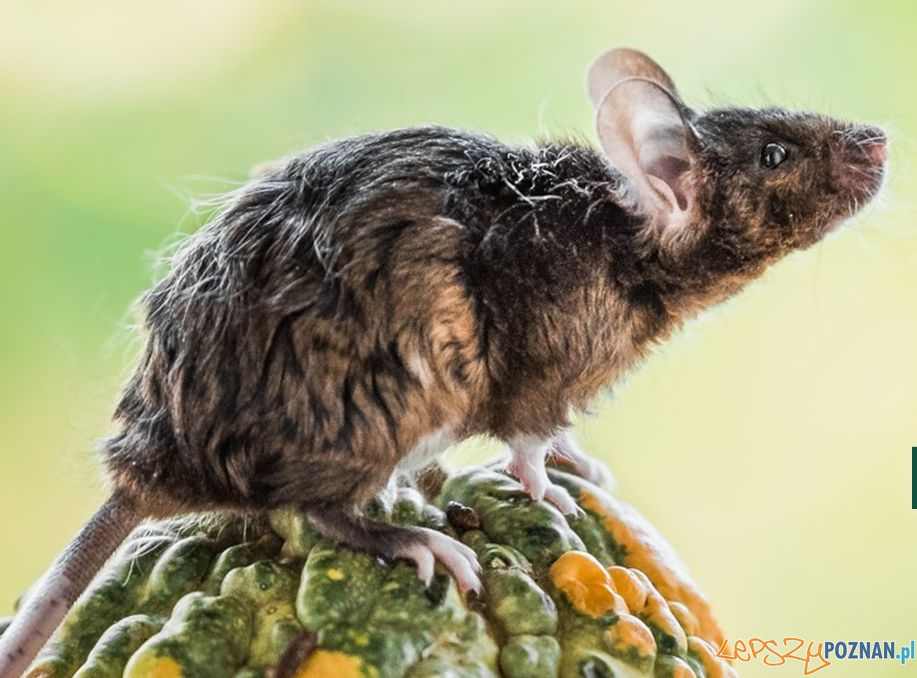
770	441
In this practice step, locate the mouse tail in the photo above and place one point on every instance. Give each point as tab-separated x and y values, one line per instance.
49	600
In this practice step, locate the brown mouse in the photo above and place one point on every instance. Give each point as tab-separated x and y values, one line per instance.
354	310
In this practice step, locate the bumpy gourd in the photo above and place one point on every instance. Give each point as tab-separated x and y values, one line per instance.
597	595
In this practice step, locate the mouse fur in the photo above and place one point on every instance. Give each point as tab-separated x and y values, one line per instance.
356	308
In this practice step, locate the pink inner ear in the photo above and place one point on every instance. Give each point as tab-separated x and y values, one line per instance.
671	172
644	135
663	188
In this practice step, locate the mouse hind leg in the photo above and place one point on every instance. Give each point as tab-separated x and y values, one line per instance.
420	545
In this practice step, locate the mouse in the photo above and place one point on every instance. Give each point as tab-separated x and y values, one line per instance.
355	309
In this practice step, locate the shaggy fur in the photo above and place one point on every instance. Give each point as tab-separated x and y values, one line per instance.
366	302
376	289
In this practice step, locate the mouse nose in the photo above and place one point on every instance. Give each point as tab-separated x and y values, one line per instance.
877	149
858	156
870	141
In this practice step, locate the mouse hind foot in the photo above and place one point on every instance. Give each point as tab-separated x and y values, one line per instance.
420	545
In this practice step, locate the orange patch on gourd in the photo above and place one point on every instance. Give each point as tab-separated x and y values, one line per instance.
679	669
586	584
629	632
630	587
713	667
151	666
645	550
685	617
330	664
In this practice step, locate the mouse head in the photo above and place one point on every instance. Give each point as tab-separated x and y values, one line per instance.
727	191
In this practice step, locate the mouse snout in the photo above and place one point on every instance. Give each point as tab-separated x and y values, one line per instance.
877	149
858	156
862	143
871	141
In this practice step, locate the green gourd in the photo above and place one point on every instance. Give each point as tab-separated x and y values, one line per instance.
597	595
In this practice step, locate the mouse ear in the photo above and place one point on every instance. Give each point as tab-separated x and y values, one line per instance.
645	136
620	64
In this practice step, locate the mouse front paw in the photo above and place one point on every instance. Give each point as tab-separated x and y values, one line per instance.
531	474
527	466
540	488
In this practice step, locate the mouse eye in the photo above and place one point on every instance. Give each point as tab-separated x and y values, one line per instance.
772	155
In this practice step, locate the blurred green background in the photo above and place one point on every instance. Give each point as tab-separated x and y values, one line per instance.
770	441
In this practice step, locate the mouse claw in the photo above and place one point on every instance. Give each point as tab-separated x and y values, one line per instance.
423	559
460	560
561	498
531	476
